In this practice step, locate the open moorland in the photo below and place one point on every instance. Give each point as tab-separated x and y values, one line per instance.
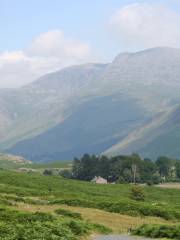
34	206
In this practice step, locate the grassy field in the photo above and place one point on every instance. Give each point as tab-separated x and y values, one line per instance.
52	165
117	222
106	197
169	185
109	205
6	163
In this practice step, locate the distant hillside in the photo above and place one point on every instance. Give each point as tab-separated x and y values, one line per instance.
93	127
91	107
31	110
161	136
9	161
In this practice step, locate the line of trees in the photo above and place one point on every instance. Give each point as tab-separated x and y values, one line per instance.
126	169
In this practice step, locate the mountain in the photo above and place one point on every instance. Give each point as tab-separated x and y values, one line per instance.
93	127
33	109
90	108
161	136
145	70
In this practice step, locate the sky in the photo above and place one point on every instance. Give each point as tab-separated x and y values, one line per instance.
42	36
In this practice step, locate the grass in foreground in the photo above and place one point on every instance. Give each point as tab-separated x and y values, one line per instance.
159	231
164	203
44	226
117	222
31	193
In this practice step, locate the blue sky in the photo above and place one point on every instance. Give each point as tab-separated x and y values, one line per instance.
21	21
98	25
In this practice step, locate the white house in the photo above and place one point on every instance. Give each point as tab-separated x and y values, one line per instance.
99	180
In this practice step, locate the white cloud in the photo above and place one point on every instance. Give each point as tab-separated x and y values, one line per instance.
49	52
145	25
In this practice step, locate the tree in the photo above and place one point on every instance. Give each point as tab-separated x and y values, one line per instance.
121	180
150	172
76	168
164	164
48	172
131	169
85	168
177	168
116	167
103	167
66	173
127	175
134	172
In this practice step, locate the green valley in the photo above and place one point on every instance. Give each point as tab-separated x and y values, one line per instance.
31	199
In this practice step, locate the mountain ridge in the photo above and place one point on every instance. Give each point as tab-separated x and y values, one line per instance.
148	79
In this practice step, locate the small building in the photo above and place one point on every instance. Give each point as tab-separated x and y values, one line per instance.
26	170
99	180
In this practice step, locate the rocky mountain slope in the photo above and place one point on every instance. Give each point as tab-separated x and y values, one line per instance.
93	127
33	109
90	108
159	137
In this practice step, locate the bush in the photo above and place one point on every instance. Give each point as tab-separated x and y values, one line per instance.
68	213
44	226
101	229
158	231
137	193
66	173
78	228
130	207
47	172
150	183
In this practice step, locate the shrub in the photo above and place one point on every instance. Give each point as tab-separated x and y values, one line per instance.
101	228
150	183
66	173
78	228
68	213
137	193
158	231
44	226
48	172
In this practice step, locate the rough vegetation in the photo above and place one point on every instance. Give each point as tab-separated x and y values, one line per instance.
18	225
60	203
112	198
159	231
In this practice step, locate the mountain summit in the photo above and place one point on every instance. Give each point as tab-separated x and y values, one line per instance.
91	107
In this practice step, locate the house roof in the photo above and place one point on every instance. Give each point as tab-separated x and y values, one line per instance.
98	178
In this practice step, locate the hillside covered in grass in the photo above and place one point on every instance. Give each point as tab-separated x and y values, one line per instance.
114	198
13	162
82	206
8	161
